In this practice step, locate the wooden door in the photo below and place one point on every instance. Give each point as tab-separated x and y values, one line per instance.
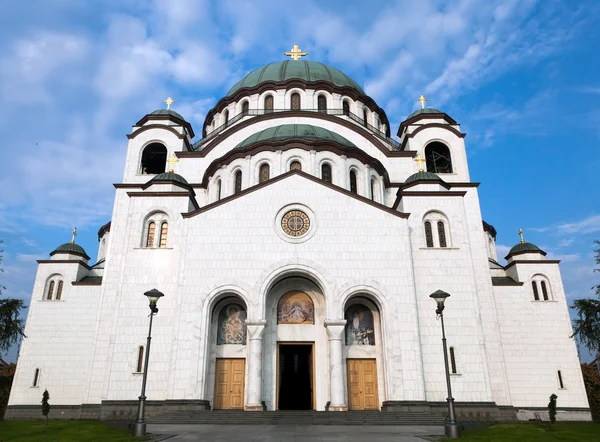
362	384
229	384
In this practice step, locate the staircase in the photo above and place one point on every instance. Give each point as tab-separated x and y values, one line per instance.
239	417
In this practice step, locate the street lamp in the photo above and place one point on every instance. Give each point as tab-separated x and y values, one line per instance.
452	429
139	426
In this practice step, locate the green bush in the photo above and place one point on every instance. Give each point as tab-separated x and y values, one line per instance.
592	386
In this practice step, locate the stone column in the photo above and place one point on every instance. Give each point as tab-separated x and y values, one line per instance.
335	331
255	331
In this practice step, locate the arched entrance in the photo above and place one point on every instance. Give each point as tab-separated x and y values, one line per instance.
296	355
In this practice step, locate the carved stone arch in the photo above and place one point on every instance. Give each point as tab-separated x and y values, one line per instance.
288	98
52	282
543	286
291	267
263	171
156	216
441	237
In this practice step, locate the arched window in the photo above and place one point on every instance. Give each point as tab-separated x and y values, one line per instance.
544	290
36	377
560	380
438	158
59	290
154	159
353	186
536	295
377	124
269	103
150	234
365	116
226	117
164	230
295	165
295	101
346	107
453	360
245	108
322	103
218	190
326	172
373	188
428	234
441	233
238	182
360	328
232	325
140	360
50	290
264	173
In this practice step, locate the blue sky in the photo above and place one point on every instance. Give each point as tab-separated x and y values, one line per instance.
522	77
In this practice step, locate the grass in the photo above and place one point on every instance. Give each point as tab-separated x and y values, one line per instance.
62	431
526	432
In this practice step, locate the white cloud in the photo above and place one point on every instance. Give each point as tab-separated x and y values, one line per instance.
590	224
502	250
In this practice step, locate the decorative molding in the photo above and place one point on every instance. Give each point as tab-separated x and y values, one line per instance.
429	126
284	176
63	261
166	195
410	121
181	136
533	261
171	117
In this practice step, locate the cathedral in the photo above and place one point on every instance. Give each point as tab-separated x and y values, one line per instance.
297	244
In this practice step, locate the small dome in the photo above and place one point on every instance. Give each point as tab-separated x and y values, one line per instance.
423	176
305	131
310	71
167	112
75	249
427	110
524	247
169	176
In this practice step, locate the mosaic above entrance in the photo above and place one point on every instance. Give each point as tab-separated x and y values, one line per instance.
232	325
295	308
359	326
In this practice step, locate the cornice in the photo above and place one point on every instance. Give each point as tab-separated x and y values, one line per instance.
429	126
63	261
143	129
441	115
533	261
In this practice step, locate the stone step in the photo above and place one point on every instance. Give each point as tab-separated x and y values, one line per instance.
239	417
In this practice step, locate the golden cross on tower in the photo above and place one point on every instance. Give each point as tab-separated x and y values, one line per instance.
422	99
169	102
420	160
295	53
521	235
74	235
172	162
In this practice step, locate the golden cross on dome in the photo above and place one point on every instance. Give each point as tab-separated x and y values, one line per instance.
169	102
295	53
422	99
420	160
74	235
521	235
172	162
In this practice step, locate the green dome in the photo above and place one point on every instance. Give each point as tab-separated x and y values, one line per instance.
76	249
427	110
423	176
310	71
167	112
306	131
169	176
524	247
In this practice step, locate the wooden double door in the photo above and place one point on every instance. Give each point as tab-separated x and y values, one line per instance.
362	384
229	384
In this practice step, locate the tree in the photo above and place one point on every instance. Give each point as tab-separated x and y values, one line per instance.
587	325
11	326
7	374
592	386
552	408
45	405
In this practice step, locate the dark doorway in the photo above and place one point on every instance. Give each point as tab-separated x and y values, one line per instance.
295	377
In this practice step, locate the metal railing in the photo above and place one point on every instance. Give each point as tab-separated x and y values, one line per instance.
255	112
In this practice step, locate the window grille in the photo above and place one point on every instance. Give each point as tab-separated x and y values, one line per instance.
453	360
428	234
50	290
295	98
536	295
326	173
59	290
295	165
264	173
544	290
353	186
150	234
238	181
140	359
441	233
164	229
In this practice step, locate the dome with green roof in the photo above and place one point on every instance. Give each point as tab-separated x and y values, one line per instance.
169	176
310	71
427	110
304	131
169	112
423	176
72	248
524	247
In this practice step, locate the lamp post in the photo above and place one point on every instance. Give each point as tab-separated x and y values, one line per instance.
452	428
139	426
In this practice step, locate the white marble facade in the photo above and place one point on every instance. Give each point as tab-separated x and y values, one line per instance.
368	248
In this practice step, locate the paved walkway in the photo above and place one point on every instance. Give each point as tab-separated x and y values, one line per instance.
298	433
